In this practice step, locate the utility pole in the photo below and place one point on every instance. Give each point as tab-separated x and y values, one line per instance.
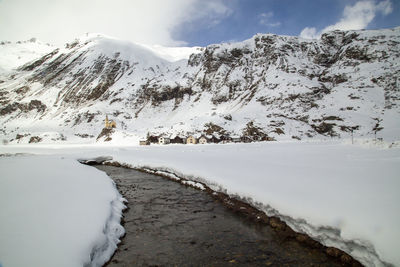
352	136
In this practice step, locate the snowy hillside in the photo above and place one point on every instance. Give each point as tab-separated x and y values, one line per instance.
272	86
13	55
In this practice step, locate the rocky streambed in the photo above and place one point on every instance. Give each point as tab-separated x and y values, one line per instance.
172	224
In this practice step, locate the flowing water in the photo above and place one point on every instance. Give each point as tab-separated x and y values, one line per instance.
168	224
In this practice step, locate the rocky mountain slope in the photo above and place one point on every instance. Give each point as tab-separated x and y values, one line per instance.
268	86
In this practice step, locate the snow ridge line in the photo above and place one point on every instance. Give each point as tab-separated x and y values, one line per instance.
107	244
348	252
113	230
361	250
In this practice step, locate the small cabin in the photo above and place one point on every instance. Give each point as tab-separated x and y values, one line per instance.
213	139
144	143
236	139
109	124
267	138
225	139
247	139
153	139
191	140
203	140
178	140
164	140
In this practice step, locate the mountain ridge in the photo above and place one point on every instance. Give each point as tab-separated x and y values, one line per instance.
286	87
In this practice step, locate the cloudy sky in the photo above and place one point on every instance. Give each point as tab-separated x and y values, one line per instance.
189	22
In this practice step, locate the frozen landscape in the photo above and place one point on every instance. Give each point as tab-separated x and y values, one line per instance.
342	195
309	98
57	212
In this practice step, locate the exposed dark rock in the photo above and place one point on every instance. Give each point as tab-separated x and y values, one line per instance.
24	107
211	128
278	131
106	133
168	93
22	90
35	139
39	62
324	128
84	135
36	104
20	136
253	133
334	252
228	117
9	109
357	53
277	223
332	118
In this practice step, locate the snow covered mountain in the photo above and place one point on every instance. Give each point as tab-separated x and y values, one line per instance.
268	86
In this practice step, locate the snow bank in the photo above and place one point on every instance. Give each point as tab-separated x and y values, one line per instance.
56	212
343	195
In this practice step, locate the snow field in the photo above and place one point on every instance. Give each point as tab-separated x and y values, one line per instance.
342	195
56	212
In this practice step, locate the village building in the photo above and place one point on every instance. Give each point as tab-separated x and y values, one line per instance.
191	140
144	143
153	139
203	140
247	139
267	138
164	140
236	139
224	139
178	140
213	139
109	124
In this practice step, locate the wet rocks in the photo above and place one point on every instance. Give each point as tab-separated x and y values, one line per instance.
342	256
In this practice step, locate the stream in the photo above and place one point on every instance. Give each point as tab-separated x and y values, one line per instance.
169	224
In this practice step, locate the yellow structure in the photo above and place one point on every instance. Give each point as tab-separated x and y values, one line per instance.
110	123
191	140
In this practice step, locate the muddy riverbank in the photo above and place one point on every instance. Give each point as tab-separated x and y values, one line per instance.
171	224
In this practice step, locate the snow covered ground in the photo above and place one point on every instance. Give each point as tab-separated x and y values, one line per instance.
56	212
14	55
341	194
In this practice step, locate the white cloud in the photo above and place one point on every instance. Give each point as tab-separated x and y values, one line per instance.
309	33
265	19
60	21
354	17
